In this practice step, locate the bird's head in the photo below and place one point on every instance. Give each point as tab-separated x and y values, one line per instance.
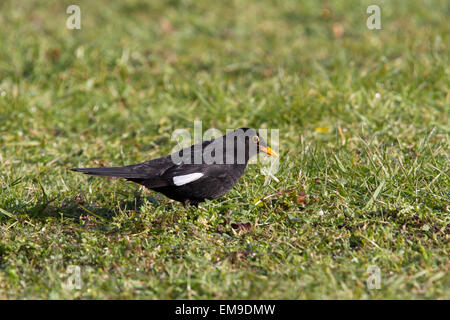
247	143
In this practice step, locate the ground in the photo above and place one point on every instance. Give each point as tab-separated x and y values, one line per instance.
363	179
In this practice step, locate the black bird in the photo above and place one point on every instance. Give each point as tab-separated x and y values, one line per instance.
203	171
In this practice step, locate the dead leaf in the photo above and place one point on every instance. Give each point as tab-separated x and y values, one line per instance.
53	54
166	25
301	198
338	30
241	226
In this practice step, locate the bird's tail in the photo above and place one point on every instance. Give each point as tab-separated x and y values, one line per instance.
120	172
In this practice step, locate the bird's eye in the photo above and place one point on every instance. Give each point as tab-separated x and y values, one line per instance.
255	139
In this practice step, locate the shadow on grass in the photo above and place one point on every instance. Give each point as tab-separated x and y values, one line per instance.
73	207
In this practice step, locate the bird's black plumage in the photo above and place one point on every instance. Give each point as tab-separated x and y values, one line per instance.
203	171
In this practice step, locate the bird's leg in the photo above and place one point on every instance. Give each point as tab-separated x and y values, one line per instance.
187	203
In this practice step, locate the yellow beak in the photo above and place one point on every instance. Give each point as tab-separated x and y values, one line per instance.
269	151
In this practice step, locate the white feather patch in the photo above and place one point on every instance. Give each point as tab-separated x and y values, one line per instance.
184	179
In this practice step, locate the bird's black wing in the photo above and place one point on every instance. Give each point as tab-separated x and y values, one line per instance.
152	173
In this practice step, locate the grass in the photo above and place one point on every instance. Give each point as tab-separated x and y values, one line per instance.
363	120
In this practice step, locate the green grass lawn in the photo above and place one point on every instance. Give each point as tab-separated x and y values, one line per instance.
363	117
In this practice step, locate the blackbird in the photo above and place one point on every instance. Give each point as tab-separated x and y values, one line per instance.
203	171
